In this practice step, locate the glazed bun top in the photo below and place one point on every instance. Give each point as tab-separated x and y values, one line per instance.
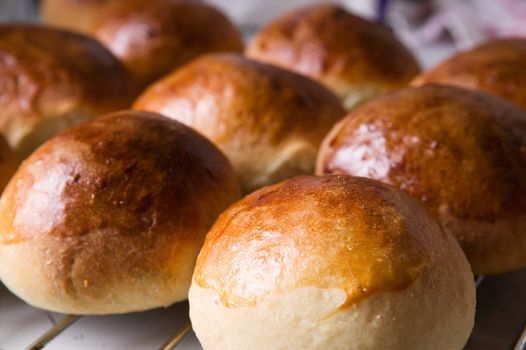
127	171
354	57
342	232
461	152
110	215
268	121
454	149
497	67
151	37
51	79
331	262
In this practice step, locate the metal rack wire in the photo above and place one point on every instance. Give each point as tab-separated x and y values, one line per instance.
521	343
183	331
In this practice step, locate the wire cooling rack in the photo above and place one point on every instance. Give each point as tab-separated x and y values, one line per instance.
500	322
499	325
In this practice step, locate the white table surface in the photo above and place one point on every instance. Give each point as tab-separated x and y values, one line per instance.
21	324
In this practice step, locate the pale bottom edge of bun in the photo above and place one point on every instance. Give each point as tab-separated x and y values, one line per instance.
29	273
435	312
491	247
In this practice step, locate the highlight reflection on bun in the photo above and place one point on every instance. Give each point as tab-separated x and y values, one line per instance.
356	58
461	152
268	121
51	80
332	262
109	216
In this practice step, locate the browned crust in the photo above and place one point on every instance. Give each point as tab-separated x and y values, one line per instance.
151	37
118	204
252	111
48	73
343	232
497	67
79	15
340	49
462	153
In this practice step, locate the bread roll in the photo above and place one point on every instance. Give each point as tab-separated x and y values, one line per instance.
356	58
79	15
333	262
268	121
151	37
52	79
497	67
109	216
462	153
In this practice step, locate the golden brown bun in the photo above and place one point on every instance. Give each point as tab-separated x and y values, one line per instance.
333	262
9	162
151	37
109	216
268	121
356	58
79	15
52	79
497	67
462	153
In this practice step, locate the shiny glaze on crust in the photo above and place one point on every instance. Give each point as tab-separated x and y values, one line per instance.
112	206
127	173
246	108
497	67
153	37
460	152
226	94
47	73
353	234
110	215
328	43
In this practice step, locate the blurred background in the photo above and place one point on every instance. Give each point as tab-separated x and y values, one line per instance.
434	29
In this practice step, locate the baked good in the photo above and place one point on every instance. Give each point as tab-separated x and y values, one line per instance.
108	217
52	79
151	37
461	152
497	67
268	121
78	15
9	162
356	58
332	262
